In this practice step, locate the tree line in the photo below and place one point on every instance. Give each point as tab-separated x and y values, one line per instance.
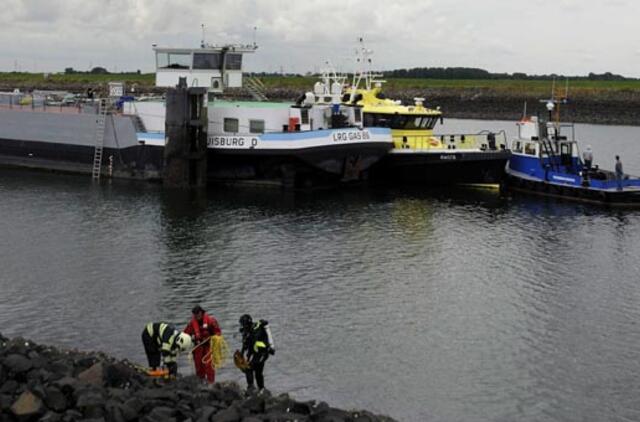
476	73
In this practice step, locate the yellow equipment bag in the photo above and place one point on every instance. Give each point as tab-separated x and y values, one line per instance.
240	361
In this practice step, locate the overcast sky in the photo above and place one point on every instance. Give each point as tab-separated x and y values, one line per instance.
533	36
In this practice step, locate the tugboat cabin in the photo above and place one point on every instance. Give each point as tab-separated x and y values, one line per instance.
539	147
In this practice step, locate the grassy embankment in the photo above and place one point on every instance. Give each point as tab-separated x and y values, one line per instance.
300	83
609	102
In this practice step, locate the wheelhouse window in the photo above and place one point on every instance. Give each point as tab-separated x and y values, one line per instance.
231	125
174	60
357	115
233	62
256	126
530	148
398	121
206	61
516	146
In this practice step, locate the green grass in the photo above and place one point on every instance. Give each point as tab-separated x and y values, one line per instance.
304	83
504	85
75	78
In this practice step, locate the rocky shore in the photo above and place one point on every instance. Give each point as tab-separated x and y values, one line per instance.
43	383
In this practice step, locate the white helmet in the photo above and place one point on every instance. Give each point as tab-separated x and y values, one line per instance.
184	342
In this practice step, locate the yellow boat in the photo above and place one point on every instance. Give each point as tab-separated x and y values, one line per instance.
418	156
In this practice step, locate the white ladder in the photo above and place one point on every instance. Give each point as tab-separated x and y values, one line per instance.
100	129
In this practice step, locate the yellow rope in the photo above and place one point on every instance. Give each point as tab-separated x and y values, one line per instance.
218	352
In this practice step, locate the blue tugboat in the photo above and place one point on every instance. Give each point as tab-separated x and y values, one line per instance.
545	160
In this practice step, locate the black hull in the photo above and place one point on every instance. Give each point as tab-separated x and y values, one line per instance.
624	198
296	168
446	168
136	162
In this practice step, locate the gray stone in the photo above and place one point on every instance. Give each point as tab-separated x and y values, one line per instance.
50	417
285	417
161	414
251	419
90	399
158	394
132	408
41	375
27	404
72	415
66	384
230	414
60	367
203	414
93	375
55	399
9	387
17	363
254	404
6	400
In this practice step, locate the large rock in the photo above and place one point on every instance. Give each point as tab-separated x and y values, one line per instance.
230	414
161	414
94	375
6	400
9	387
204	413
17	363
131	408
55	399
27	404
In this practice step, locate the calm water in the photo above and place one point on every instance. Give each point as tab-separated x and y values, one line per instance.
427	306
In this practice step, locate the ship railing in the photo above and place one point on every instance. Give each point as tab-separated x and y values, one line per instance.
42	102
484	141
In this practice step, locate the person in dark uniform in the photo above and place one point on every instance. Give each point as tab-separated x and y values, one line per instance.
163	341
257	344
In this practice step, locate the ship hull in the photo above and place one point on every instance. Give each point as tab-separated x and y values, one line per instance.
297	159
65	142
441	168
628	197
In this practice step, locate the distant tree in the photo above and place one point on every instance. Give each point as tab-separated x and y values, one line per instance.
99	71
138	71
69	70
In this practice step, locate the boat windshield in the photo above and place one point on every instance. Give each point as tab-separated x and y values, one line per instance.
398	121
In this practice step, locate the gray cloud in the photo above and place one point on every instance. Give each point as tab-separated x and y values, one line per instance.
535	36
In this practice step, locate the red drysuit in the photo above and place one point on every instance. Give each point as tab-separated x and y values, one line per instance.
202	330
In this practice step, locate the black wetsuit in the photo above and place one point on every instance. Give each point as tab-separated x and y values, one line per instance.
255	342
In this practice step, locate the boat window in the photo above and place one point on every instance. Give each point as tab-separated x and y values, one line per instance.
429	122
304	116
530	148
517	146
231	125
174	60
256	126
233	62
206	61
357	115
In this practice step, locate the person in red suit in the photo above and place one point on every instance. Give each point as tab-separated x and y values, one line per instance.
201	327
